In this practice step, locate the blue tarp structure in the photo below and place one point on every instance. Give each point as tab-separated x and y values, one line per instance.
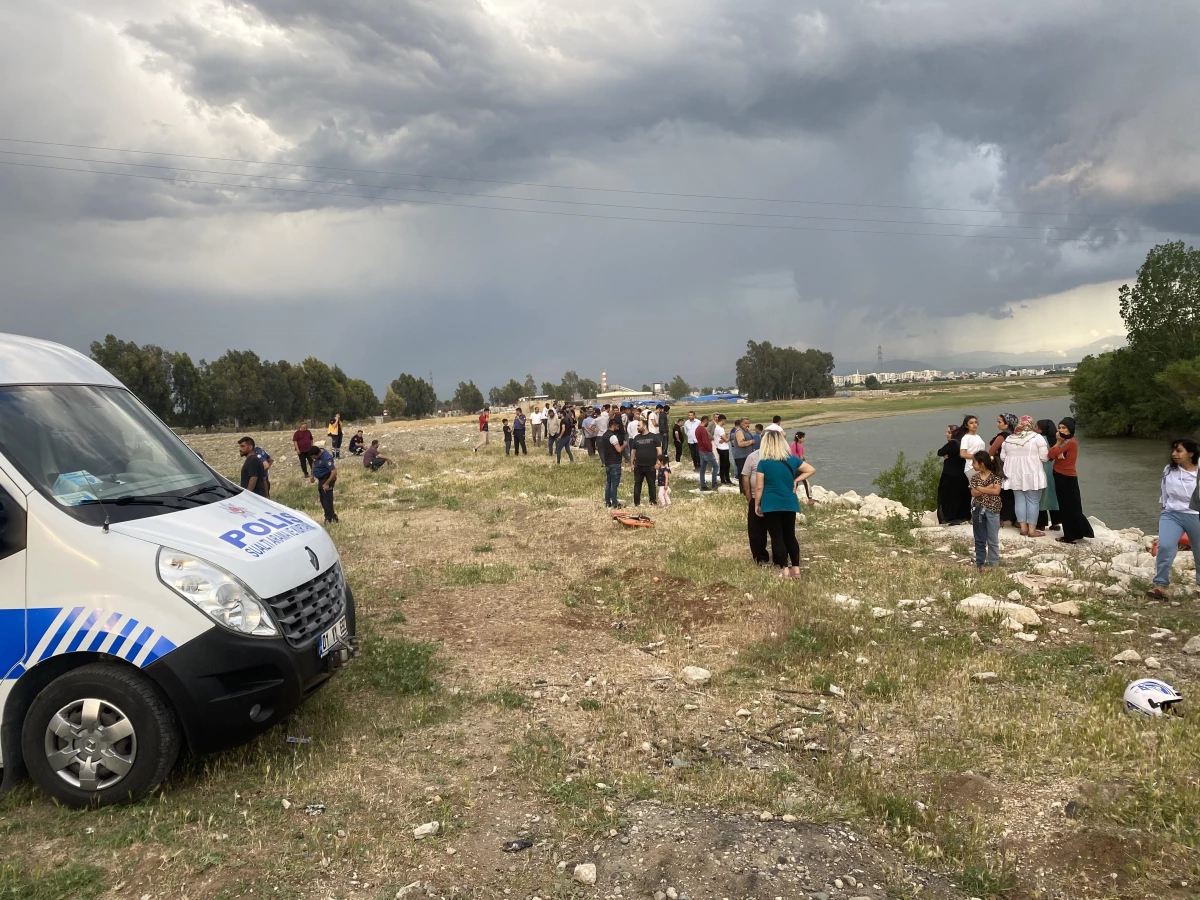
711	398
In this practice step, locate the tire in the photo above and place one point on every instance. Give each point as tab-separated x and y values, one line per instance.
351	613
132	729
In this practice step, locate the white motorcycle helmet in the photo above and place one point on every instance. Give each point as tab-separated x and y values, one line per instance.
1150	697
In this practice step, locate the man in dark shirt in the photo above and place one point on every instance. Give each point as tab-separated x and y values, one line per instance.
645	453
373	459
518	433
254	476
302	440
356	443
611	447
324	474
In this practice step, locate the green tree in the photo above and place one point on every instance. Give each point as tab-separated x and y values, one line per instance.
467	397
914	485
144	370
1182	378
766	372
420	399
495	396
1136	390
361	399
646	388
678	387
529	388
512	392
393	404
584	387
872	382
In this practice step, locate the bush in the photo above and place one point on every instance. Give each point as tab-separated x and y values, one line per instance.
914	485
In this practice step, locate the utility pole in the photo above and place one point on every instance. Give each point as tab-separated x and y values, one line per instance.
880	353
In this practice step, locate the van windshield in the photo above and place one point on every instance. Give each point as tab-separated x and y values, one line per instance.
99	454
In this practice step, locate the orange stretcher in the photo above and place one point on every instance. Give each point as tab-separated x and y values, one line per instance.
631	519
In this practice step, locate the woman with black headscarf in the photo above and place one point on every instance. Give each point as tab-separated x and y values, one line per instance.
1007	423
1065	452
954	491
1049	518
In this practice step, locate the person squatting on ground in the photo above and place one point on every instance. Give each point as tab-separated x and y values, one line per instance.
645	447
324	475
302	440
1022	454
1180	514
776	480
357	445
986	484
373	459
611	447
662	471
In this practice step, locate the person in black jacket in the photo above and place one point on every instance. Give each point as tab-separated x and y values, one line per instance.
611	447
954	491
645	448
678	436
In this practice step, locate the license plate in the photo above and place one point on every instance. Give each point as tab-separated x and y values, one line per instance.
334	636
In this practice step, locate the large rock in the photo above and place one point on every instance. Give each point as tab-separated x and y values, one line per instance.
429	829
1066	608
1127	656
1137	564
1052	567
875	507
696	676
983	605
585	873
1192	647
929	519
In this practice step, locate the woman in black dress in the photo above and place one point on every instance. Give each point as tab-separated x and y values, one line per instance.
1075	524
1007	423
954	491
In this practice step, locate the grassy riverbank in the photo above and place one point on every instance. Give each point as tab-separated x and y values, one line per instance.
521	680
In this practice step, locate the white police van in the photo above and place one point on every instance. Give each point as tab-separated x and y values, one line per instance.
147	604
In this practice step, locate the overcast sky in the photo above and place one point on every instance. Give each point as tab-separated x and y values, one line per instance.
886	109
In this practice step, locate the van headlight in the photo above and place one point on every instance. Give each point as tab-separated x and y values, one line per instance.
215	592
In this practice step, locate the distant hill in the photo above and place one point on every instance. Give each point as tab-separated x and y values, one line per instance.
978	360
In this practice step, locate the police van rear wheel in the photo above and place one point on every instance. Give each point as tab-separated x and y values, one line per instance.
99	734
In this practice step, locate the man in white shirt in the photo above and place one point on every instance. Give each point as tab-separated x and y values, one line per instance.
652	424
535	419
970	444
721	442
690	424
631	431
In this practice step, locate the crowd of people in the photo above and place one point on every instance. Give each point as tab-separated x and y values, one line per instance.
1027	478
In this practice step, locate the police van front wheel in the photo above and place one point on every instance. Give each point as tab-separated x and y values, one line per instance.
99	734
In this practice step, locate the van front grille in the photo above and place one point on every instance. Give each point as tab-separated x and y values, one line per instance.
306	611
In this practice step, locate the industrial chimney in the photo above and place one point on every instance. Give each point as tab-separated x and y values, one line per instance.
603	382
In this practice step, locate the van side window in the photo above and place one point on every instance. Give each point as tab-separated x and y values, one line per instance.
12	526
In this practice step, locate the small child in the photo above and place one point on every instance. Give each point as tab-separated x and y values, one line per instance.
663	468
507	436
985	507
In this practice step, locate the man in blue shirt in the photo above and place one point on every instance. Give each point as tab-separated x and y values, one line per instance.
324	474
518	428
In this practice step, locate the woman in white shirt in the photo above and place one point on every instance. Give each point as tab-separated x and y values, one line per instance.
1179	517
1023	453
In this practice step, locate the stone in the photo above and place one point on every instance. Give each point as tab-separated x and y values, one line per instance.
880	613
1066	608
984	677
1052	567
1113	590
1151	662
1011	624
975	638
743	713
585	873
1014	596
672	894
981	605
1026	636
1192	647
1076	587
846	602
1127	656
409	890
429	829
696	676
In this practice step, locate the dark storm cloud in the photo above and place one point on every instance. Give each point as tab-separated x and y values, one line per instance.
1013	105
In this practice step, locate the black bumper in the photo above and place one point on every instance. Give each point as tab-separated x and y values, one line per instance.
227	689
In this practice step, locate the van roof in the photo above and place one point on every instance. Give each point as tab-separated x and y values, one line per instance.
25	360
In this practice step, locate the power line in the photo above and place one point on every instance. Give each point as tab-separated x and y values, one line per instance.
551	212
564	187
625	206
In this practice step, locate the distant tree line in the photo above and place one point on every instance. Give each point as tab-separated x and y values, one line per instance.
1151	387
238	388
784	373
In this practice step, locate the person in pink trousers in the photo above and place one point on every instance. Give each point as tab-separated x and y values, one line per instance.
663	476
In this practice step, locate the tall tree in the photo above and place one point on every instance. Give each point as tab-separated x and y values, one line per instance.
420	399
393	404
529	387
144	370
467	397
584	387
678	387
238	388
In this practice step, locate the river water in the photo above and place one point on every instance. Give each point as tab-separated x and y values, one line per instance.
1118	477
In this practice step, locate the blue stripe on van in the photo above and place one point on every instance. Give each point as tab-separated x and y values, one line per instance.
127	630
132	652
61	633
161	648
82	633
104	632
